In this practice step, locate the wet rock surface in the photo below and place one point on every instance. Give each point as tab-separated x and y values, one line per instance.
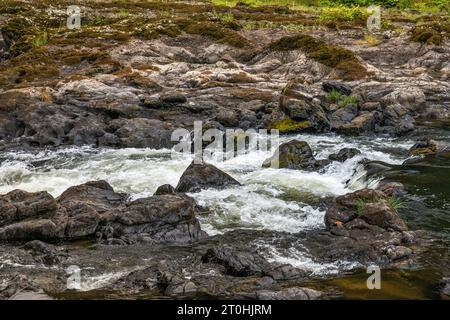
95	209
295	155
203	176
107	86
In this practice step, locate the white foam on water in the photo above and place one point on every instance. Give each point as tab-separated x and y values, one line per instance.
102	280
264	201
247	207
300	259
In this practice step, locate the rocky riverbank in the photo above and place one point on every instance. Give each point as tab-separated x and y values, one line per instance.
131	76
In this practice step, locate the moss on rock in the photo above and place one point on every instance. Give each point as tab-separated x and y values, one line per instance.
332	56
431	33
287	125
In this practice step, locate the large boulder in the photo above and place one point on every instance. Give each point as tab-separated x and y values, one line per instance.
97	194
295	155
19	205
203	176
362	209
161	218
95	209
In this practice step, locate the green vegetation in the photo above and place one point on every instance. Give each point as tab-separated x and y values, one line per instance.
289	125
396	203
361	205
432	32
215	31
40	37
340	99
343	13
332	56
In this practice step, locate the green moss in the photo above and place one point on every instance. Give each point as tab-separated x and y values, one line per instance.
288	125
332	56
155	31
215	31
431	33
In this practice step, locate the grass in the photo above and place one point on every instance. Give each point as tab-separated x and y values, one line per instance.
396	203
360	205
340	99
41	39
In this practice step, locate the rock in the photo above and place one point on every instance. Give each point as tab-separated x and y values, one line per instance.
368	205
329	86
95	209
236	263
344	154
228	118
295	155
173	98
161	218
94	94
397	120
424	146
445	287
45	253
392	189
19	205
370	106
398	252
373	168
97	194
164	189
412	98
42	229
299	105
343	116
203	176
138	133
295	293
364	122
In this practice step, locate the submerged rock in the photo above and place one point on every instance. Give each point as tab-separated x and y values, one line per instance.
295	155
203	176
